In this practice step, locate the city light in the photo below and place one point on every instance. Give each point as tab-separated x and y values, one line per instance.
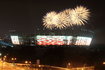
13	59
26	62
104	63
21	66
0	54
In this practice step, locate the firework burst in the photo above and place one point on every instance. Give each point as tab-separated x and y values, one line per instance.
82	12
50	20
66	18
53	20
79	15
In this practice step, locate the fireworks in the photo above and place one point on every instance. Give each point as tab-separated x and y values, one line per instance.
50	20
66	18
79	15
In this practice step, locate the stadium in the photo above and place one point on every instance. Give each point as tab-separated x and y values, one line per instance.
70	36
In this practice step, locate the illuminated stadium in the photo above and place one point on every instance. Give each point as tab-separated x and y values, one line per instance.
75	36
81	37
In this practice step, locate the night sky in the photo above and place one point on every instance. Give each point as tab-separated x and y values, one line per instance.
26	15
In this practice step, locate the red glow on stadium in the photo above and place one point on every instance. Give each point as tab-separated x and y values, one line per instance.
54	41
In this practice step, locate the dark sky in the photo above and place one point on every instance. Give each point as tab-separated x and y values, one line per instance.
26	15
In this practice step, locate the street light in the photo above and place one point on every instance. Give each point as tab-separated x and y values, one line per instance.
69	65
30	62
3	59
13	60
26	62
0	54
104	63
